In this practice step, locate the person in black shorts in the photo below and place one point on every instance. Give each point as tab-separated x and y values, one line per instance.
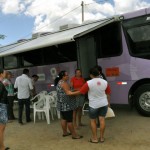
66	105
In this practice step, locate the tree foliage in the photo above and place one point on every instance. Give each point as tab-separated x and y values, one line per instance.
2	36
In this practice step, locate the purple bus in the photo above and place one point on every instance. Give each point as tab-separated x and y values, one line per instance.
120	44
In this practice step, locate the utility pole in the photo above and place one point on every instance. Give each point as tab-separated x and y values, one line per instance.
82	5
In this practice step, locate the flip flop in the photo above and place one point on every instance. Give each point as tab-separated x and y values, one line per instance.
91	141
64	135
102	141
78	137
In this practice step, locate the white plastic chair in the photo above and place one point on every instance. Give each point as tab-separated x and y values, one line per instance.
43	92
15	101
54	104
41	107
85	107
38	96
49	104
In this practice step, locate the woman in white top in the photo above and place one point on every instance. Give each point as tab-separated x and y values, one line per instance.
97	89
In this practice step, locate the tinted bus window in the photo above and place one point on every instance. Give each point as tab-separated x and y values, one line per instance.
137	31
32	58
60	53
49	55
10	62
108	40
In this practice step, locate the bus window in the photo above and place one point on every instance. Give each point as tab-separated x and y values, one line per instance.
10	62
60	53
50	55
67	52
108	40
32	58
137	31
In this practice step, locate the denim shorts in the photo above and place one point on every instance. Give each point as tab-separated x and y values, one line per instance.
96	112
3	114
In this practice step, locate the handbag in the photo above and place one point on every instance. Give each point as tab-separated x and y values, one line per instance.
110	113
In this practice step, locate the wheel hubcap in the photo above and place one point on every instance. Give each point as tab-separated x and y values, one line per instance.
144	101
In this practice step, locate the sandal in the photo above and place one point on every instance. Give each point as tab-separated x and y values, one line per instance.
77	137
91	141
102	140
64	135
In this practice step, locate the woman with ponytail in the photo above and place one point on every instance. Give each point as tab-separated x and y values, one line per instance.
65	104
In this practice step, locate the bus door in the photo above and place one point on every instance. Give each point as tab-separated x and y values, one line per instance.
86	53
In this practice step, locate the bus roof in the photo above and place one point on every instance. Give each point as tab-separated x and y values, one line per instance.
55	38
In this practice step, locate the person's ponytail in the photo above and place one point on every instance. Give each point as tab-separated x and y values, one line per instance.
59	77
56	80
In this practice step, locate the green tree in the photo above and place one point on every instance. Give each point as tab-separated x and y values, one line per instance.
2	36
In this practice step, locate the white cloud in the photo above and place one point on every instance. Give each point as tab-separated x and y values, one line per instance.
50	11
11	6
46	12
53	10
123	6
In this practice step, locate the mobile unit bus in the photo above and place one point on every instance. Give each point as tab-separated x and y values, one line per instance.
121	45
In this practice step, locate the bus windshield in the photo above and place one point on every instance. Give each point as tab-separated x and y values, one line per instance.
137	31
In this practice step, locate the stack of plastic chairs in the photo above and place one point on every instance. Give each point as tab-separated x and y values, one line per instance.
43	92
54	104
40	107
37	97
49	102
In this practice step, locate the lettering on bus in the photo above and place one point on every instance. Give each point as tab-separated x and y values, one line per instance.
111	72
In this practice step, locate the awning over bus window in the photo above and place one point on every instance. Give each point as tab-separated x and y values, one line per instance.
54	38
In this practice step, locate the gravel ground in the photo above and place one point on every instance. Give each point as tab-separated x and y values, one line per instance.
127	131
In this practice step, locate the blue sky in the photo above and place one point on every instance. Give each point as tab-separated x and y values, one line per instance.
15	27
20	18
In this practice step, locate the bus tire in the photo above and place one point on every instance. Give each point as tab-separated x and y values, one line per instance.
142	99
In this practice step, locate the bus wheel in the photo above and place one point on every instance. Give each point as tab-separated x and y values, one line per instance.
142	99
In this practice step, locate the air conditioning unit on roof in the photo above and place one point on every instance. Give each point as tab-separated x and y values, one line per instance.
22	40
67	26
39	34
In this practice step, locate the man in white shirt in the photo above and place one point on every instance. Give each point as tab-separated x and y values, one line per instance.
24	85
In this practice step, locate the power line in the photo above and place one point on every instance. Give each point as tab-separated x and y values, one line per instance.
60	17
41	28
100	1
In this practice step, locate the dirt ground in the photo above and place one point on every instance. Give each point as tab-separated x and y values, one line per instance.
127	131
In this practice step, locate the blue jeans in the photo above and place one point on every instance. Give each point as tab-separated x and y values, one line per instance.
3	114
